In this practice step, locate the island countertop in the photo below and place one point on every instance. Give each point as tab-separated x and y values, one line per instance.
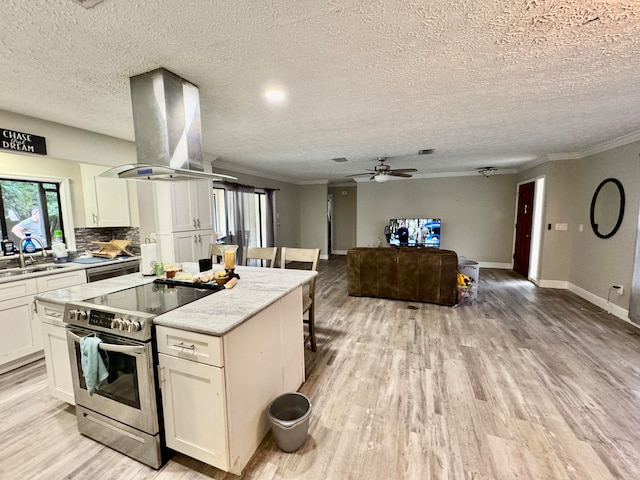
221	312
215	314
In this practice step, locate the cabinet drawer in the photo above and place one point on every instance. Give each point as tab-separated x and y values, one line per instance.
61	280
50	313
17	289
193	346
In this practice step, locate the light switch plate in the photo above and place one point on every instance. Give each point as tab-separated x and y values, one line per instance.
562	226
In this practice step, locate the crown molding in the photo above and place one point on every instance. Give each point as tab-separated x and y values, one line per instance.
611	144
587	152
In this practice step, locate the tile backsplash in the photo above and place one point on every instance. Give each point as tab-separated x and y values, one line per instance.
84	237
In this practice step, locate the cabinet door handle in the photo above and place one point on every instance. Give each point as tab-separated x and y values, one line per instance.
198	222
95	218
35	307
194	223
185	346
199	239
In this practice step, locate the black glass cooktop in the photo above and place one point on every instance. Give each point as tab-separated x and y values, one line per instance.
151	298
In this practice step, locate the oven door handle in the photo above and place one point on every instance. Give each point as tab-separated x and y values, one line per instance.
110	347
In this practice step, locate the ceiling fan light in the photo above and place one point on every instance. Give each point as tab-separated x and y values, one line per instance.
381	177
487	171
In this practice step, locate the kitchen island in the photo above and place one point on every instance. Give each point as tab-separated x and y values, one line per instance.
222	359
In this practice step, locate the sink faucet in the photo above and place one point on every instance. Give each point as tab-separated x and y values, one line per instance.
21	259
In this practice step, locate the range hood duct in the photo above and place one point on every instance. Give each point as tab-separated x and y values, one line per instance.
166	121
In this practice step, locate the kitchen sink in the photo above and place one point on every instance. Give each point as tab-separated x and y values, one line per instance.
28	270
11	273
43	268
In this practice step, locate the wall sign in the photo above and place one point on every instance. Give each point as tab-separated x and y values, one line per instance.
22	142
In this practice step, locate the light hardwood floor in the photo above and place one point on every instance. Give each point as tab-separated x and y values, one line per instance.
527	383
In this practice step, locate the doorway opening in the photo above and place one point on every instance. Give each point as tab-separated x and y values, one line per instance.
528	236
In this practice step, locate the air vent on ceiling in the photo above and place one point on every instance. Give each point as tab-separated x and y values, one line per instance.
426	151
339	160
87	3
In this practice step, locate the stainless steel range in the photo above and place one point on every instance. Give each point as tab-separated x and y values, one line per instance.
123	412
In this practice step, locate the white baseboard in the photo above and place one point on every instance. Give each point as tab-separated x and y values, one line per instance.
324	256
560	284
609	307
602	303
503	266
339	252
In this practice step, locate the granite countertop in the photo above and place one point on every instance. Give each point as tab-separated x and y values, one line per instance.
215	314
221	312
59	268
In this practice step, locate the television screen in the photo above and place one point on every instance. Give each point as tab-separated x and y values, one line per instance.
415	232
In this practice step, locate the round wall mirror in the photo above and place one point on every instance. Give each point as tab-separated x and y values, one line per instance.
607	208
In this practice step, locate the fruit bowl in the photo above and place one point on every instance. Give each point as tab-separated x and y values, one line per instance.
221	277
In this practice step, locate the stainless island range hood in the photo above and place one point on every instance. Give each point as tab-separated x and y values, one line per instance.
166	121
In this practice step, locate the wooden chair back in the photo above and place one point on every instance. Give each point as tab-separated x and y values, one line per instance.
260	253
304	259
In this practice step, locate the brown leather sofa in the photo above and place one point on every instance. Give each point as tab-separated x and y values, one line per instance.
403	273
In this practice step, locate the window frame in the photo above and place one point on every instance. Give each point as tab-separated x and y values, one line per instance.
66	209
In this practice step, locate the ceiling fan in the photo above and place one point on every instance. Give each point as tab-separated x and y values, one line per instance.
382	172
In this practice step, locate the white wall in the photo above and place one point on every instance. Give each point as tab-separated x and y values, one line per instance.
477	212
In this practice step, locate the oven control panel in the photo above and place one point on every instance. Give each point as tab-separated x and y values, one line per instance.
106	320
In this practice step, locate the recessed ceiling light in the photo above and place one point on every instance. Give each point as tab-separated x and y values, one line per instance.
275	96
426	151
339	160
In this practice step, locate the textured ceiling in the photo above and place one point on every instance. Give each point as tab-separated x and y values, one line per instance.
498	83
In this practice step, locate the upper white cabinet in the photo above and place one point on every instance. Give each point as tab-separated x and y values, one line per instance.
184	219
106	200
185	205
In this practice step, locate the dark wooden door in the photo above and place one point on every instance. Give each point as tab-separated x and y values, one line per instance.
524	222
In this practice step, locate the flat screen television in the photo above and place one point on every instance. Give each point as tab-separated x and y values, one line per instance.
414	232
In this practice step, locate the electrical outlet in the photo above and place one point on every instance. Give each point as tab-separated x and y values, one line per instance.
619	289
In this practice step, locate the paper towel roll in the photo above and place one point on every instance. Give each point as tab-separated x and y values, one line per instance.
149	254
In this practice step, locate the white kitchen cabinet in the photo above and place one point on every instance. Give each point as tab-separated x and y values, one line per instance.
56	355
191	246
194	407
215	390
106	200
192	205
184	205
21	336
184	219
54	335
61	280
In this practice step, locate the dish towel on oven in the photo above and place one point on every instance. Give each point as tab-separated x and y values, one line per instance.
93	368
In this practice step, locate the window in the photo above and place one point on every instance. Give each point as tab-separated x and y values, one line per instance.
32	206
243	215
